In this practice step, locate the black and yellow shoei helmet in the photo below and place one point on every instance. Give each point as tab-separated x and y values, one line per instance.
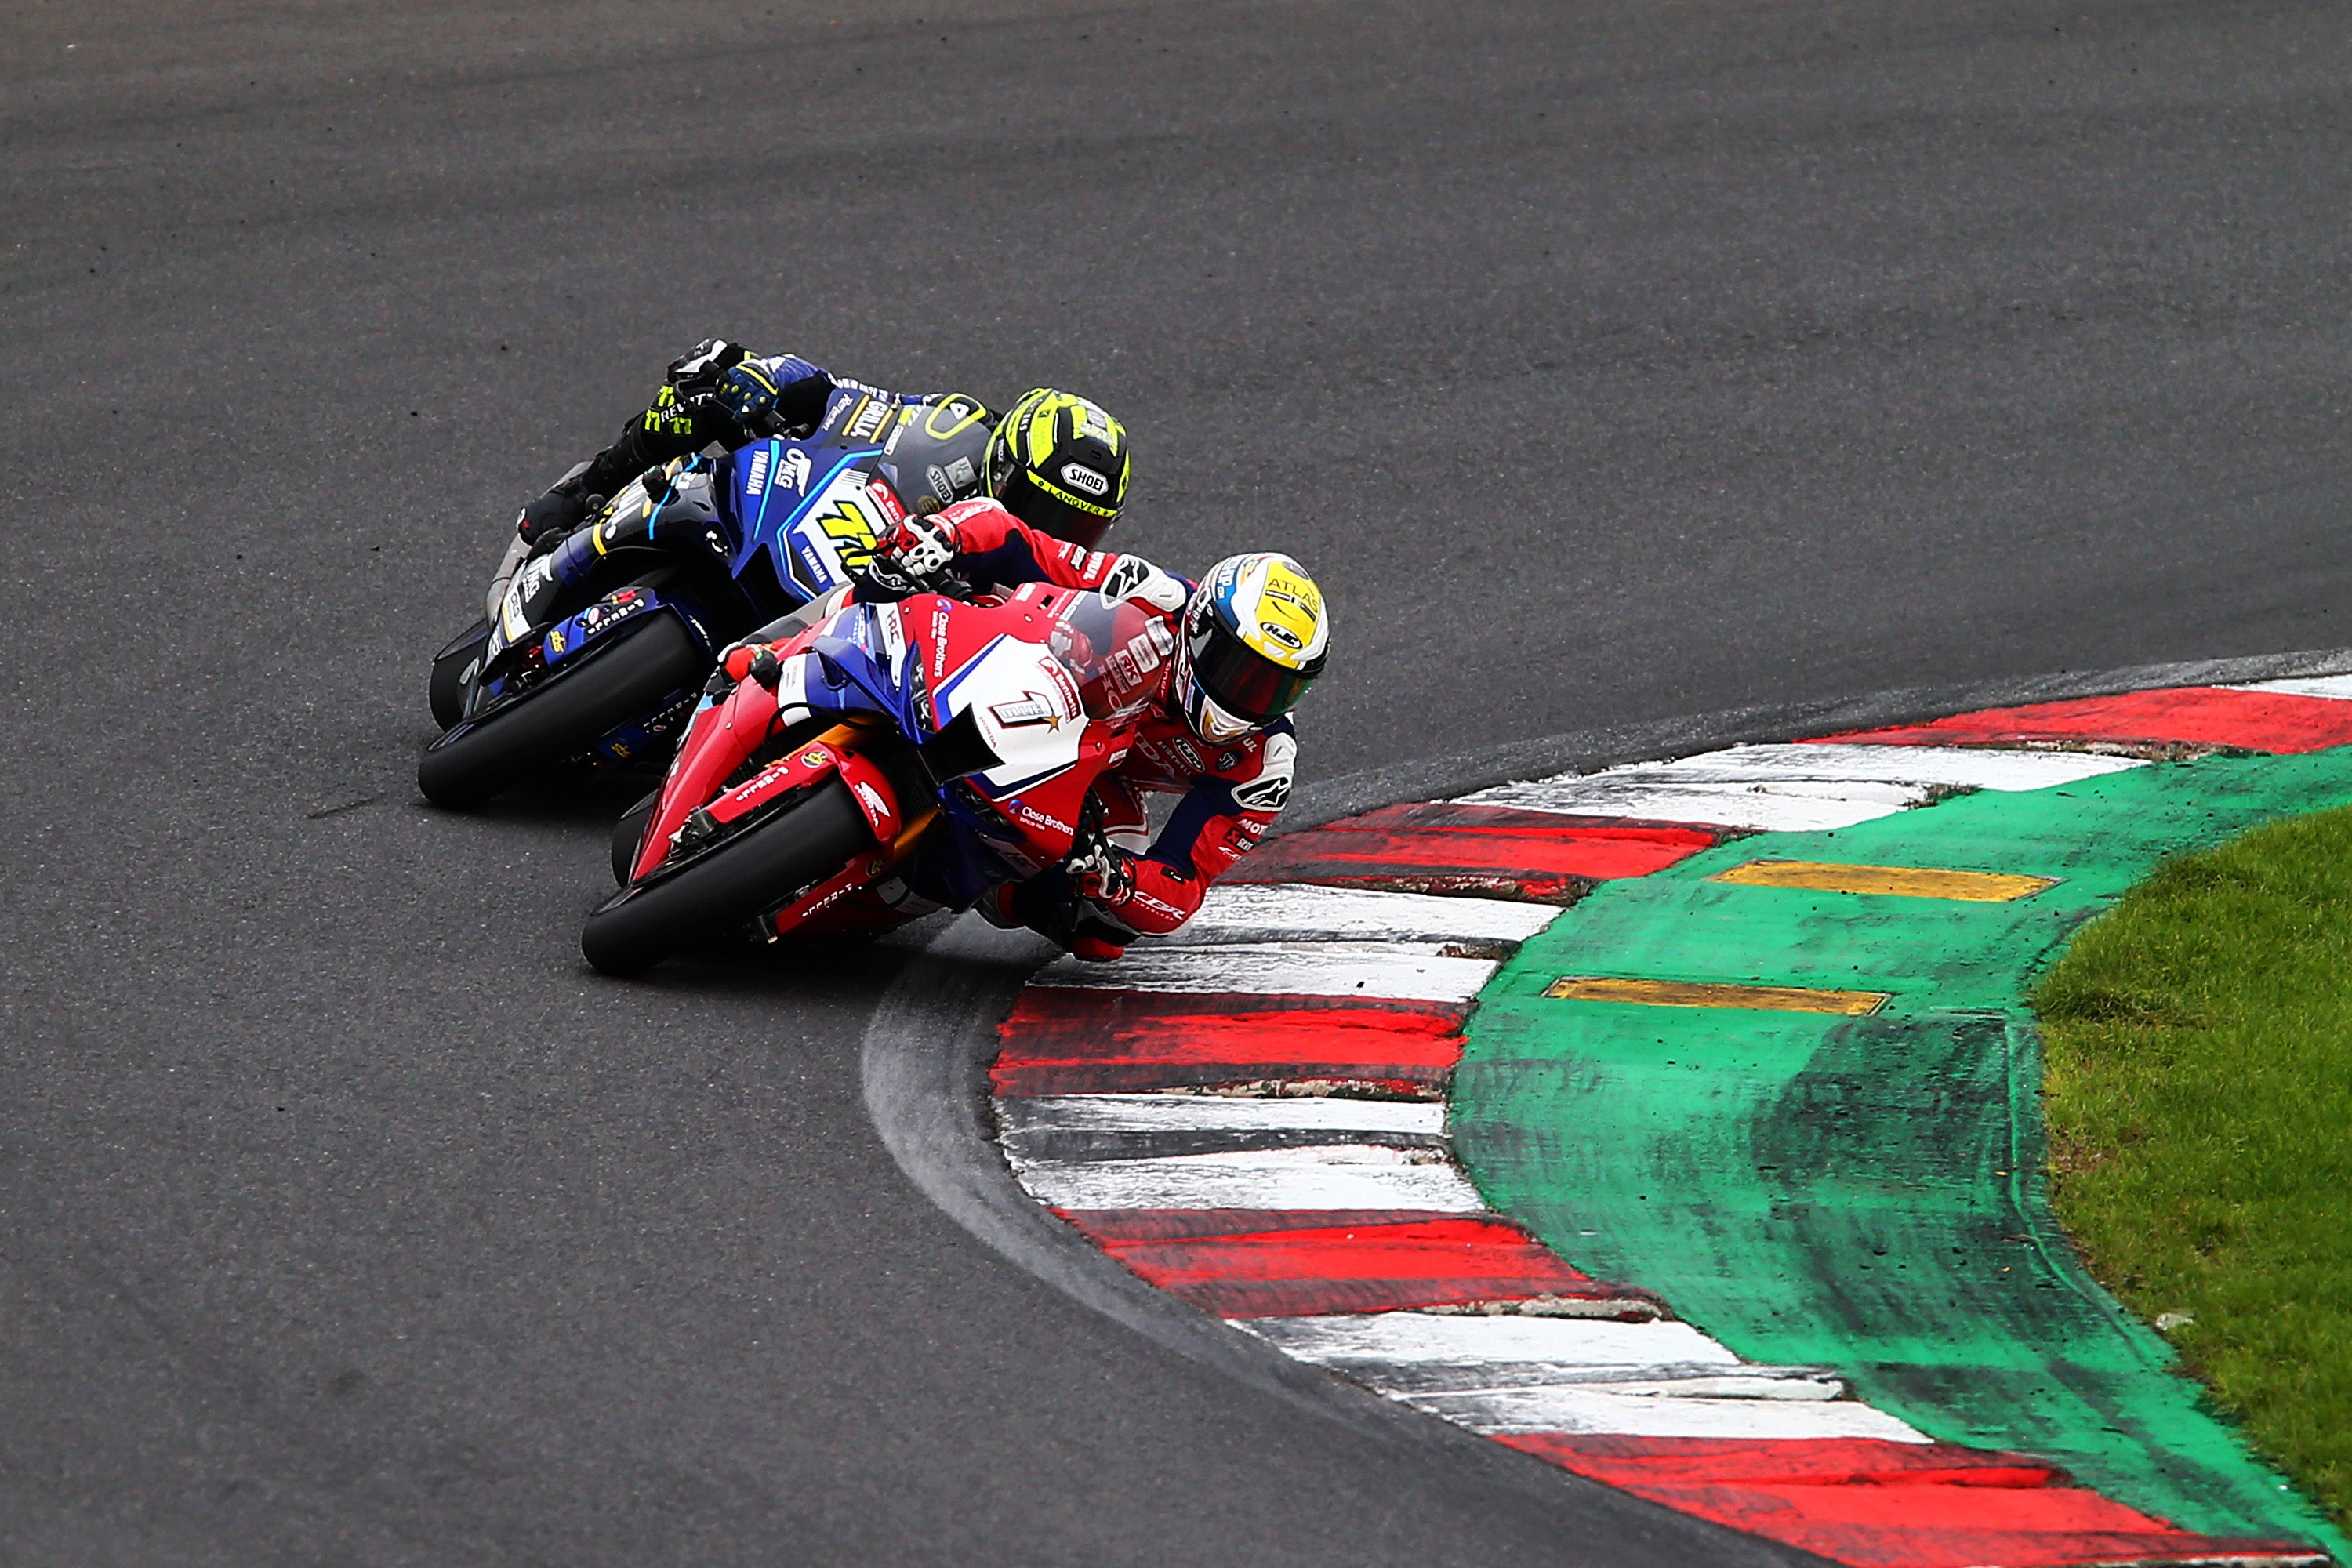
1059	463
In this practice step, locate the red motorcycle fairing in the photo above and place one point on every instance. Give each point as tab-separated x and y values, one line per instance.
1029	672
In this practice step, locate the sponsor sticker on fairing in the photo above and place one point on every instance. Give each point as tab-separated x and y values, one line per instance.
796	469
1032	709
756	483
1030	815
890	626
534	576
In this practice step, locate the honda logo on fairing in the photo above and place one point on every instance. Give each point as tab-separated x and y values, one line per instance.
796	469
1086	480
874	805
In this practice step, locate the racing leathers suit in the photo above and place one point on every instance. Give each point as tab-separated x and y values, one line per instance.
688	415
1130	882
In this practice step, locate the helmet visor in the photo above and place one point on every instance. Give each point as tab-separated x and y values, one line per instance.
1242	680
1042	510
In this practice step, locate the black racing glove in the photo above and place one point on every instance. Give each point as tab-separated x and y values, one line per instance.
878	580
697	370
546	518
749	395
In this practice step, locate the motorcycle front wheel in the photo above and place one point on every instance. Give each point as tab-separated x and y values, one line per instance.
578	705
629	836
725	886
453	668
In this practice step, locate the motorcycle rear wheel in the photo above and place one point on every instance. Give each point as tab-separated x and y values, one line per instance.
726	886
573	709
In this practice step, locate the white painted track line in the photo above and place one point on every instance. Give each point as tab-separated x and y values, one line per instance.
1344	1176
1796	788
2338	687
1359	1343
1748	1381
1421	1380
1396	970
1291	911
1973	767
1574	1409
1794	805
1217	1113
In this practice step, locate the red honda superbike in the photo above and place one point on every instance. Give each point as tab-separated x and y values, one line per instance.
893	758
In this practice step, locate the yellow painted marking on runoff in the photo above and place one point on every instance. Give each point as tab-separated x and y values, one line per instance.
1899	881
1690	993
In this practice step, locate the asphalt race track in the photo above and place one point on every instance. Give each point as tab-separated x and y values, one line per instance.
1608	362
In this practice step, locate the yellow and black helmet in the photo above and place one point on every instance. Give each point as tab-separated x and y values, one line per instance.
1255	637
1059	463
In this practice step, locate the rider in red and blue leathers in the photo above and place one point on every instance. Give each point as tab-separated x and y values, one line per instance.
1219	734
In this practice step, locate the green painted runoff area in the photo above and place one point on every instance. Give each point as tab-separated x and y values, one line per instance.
1867	1192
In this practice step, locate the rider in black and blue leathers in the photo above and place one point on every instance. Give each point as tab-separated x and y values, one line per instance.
717	390
1057	461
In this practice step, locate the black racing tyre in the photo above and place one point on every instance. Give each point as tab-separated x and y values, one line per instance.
619	680
671	912
453	668
628	834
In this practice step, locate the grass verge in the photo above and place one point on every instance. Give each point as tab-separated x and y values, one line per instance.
2200	1102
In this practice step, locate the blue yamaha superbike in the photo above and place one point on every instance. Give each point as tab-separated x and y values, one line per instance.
597	650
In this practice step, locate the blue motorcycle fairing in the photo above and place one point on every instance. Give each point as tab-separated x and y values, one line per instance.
568	637
787	499
564	642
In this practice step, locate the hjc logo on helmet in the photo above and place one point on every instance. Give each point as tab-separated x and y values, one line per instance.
1289	608
1083	479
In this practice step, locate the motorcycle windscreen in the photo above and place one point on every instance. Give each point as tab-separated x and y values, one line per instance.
1113	649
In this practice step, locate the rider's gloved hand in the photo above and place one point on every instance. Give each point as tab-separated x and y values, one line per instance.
697	370
918	545
755	661
1103	874
749	395
546	518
